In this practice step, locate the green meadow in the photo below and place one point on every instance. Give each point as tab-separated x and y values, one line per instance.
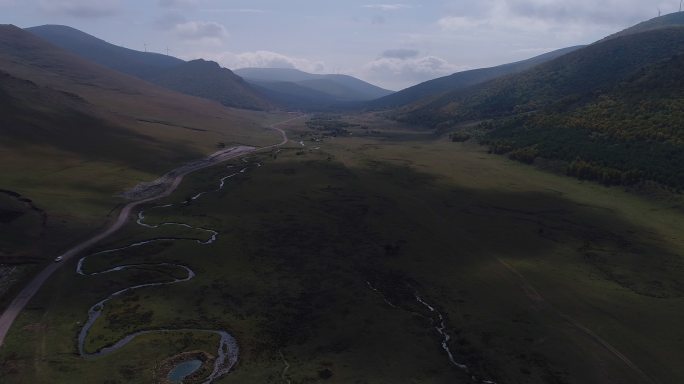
323	249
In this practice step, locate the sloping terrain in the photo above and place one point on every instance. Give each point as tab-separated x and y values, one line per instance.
609	111
196	78
628	134
666	21
365	251
568	79
461	80
35	115
144	65
76	134
208	80
129	101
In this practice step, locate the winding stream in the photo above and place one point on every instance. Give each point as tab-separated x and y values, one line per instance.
228	349
440	327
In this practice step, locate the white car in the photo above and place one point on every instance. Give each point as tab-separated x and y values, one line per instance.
58	259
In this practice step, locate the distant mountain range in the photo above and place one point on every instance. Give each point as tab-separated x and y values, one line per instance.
294	87
267	88
610	110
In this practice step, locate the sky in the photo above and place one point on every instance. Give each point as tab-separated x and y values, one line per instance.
391	44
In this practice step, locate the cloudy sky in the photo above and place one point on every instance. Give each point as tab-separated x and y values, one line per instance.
392	44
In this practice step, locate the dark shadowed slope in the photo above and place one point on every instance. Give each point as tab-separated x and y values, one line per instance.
209	80
70	95
199	78
462	80
140	64
31	115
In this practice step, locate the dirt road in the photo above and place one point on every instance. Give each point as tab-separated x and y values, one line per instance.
175	177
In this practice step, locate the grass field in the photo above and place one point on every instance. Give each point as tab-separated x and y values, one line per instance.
76	135
79	195
322	251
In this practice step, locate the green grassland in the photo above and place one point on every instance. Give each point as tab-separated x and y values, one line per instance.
535	273
80	196
76	135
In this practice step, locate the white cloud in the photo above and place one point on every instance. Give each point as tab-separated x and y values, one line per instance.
208	31
409	70
268	59
264	59
387	7
82	8
547	15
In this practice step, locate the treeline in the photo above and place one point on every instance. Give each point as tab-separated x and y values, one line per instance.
589	154
585	170
331	124
628	134
613	112
568	81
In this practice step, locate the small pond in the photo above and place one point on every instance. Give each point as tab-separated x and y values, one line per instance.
183	370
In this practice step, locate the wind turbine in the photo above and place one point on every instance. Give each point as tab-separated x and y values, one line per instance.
680	5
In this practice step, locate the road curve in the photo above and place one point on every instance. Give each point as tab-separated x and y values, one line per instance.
19	303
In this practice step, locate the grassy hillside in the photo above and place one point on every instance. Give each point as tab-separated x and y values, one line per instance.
610	111
196	78
208	80
75	135
131	102
462	80
569	79
623	136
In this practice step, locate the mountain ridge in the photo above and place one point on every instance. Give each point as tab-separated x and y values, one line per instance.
461	80
120	101
608	112
156	68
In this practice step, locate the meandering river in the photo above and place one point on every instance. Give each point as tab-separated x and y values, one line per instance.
228	349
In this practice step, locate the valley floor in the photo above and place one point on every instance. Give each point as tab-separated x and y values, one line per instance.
378	254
